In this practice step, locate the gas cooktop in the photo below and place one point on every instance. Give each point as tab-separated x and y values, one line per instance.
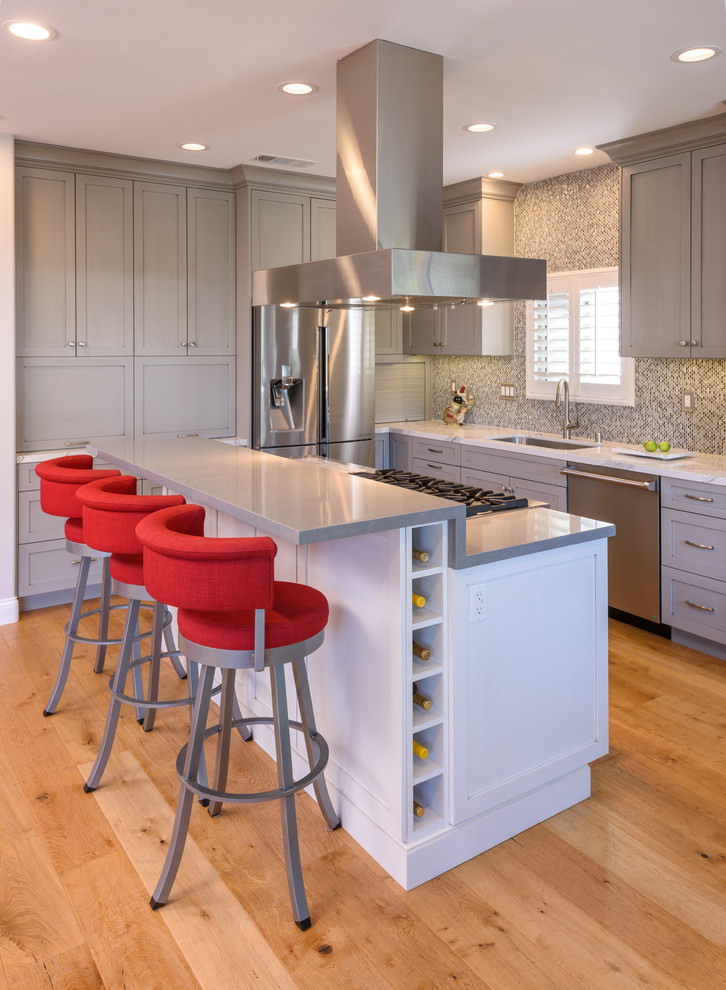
475	499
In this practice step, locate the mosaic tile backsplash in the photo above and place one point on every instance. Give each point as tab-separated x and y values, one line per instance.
572	221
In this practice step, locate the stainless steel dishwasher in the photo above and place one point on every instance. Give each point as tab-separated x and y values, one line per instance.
629	500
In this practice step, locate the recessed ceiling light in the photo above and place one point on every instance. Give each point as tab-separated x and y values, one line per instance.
192	146
30	32
297	88
696	54
494	175
584	151
479	128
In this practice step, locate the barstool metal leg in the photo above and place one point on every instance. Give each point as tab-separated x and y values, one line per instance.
104	614
224	738
307	717
119	683
171	648
195	749
285	778
154	664
72	629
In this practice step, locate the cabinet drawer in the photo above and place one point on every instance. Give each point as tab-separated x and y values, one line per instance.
694	543
48	566
28	480
518	466
693	603
484	479
444	453
437	469
706	500
553	495
34	525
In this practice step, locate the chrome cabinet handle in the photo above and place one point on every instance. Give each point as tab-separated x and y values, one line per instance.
433	450
76	443
434	467
700	546
698	498
702	608
182	435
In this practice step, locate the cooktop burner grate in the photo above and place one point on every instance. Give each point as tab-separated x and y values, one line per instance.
475	499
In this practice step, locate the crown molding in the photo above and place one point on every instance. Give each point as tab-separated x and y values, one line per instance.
689	136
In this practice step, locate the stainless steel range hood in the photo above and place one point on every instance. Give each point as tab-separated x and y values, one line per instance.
389	189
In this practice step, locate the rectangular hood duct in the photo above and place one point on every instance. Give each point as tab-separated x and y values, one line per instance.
389	189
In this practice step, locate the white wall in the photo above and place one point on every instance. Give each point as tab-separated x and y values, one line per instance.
8	599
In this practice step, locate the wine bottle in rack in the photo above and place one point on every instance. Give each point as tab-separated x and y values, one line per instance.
418	600
420	750
418	809
421	555
421	700
422	652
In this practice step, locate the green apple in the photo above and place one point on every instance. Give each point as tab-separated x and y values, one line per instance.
651	445
664	446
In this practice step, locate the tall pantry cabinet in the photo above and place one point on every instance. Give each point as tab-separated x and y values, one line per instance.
125	298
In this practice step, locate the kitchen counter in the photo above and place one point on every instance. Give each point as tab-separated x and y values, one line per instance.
704	468
313	500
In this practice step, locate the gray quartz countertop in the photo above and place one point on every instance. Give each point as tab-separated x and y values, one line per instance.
313	500
301	501
703	468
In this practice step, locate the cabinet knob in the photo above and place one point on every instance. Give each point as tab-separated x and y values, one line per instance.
192	343
683	343
71	343
693	343
182	343
81	343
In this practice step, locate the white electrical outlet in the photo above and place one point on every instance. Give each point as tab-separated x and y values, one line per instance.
477	603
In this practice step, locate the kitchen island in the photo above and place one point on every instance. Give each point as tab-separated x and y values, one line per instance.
515	621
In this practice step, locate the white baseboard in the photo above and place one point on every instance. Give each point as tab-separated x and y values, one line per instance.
9	611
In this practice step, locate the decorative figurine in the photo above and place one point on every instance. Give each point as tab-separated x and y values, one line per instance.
458	408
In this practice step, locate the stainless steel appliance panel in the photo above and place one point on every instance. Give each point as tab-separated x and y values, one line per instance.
631	502
286	337
349	377
362	452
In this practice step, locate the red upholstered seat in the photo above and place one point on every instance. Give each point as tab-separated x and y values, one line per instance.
217	583
60	479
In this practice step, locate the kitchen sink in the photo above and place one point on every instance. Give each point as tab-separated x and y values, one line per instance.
553	443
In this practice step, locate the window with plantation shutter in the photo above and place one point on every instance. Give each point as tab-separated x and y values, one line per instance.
575	334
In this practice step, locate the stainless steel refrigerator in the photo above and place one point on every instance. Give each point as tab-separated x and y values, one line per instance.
314	383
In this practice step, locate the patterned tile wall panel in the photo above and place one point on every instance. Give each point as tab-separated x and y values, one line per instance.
572	221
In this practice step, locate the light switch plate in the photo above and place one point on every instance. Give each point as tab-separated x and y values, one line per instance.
688	400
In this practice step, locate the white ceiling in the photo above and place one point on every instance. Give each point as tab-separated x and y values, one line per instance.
141	76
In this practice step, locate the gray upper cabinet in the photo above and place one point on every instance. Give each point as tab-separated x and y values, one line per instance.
104	266
656	258
45	262
280	229
673	240
160	268
322	229
708	252
478	219
210	272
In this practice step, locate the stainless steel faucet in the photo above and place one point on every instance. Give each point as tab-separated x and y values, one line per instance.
567	426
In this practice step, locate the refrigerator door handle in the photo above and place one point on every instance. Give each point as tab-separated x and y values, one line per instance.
323	348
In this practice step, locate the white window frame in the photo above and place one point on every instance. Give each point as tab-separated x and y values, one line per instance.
606	394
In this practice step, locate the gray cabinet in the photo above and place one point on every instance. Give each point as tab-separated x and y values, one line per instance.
160	268
210	272
656	258
74	264
63	402
289	228
673	240
178	396
390	324
400	452
322	229
536	479
45	261
478	219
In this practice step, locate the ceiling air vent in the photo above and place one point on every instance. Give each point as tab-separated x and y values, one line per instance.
281	161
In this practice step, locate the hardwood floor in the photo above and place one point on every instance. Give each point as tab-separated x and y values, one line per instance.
627	889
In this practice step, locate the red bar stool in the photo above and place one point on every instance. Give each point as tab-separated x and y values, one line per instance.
233	615
60	479
111	512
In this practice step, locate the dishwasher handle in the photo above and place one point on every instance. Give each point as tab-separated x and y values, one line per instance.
649	486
